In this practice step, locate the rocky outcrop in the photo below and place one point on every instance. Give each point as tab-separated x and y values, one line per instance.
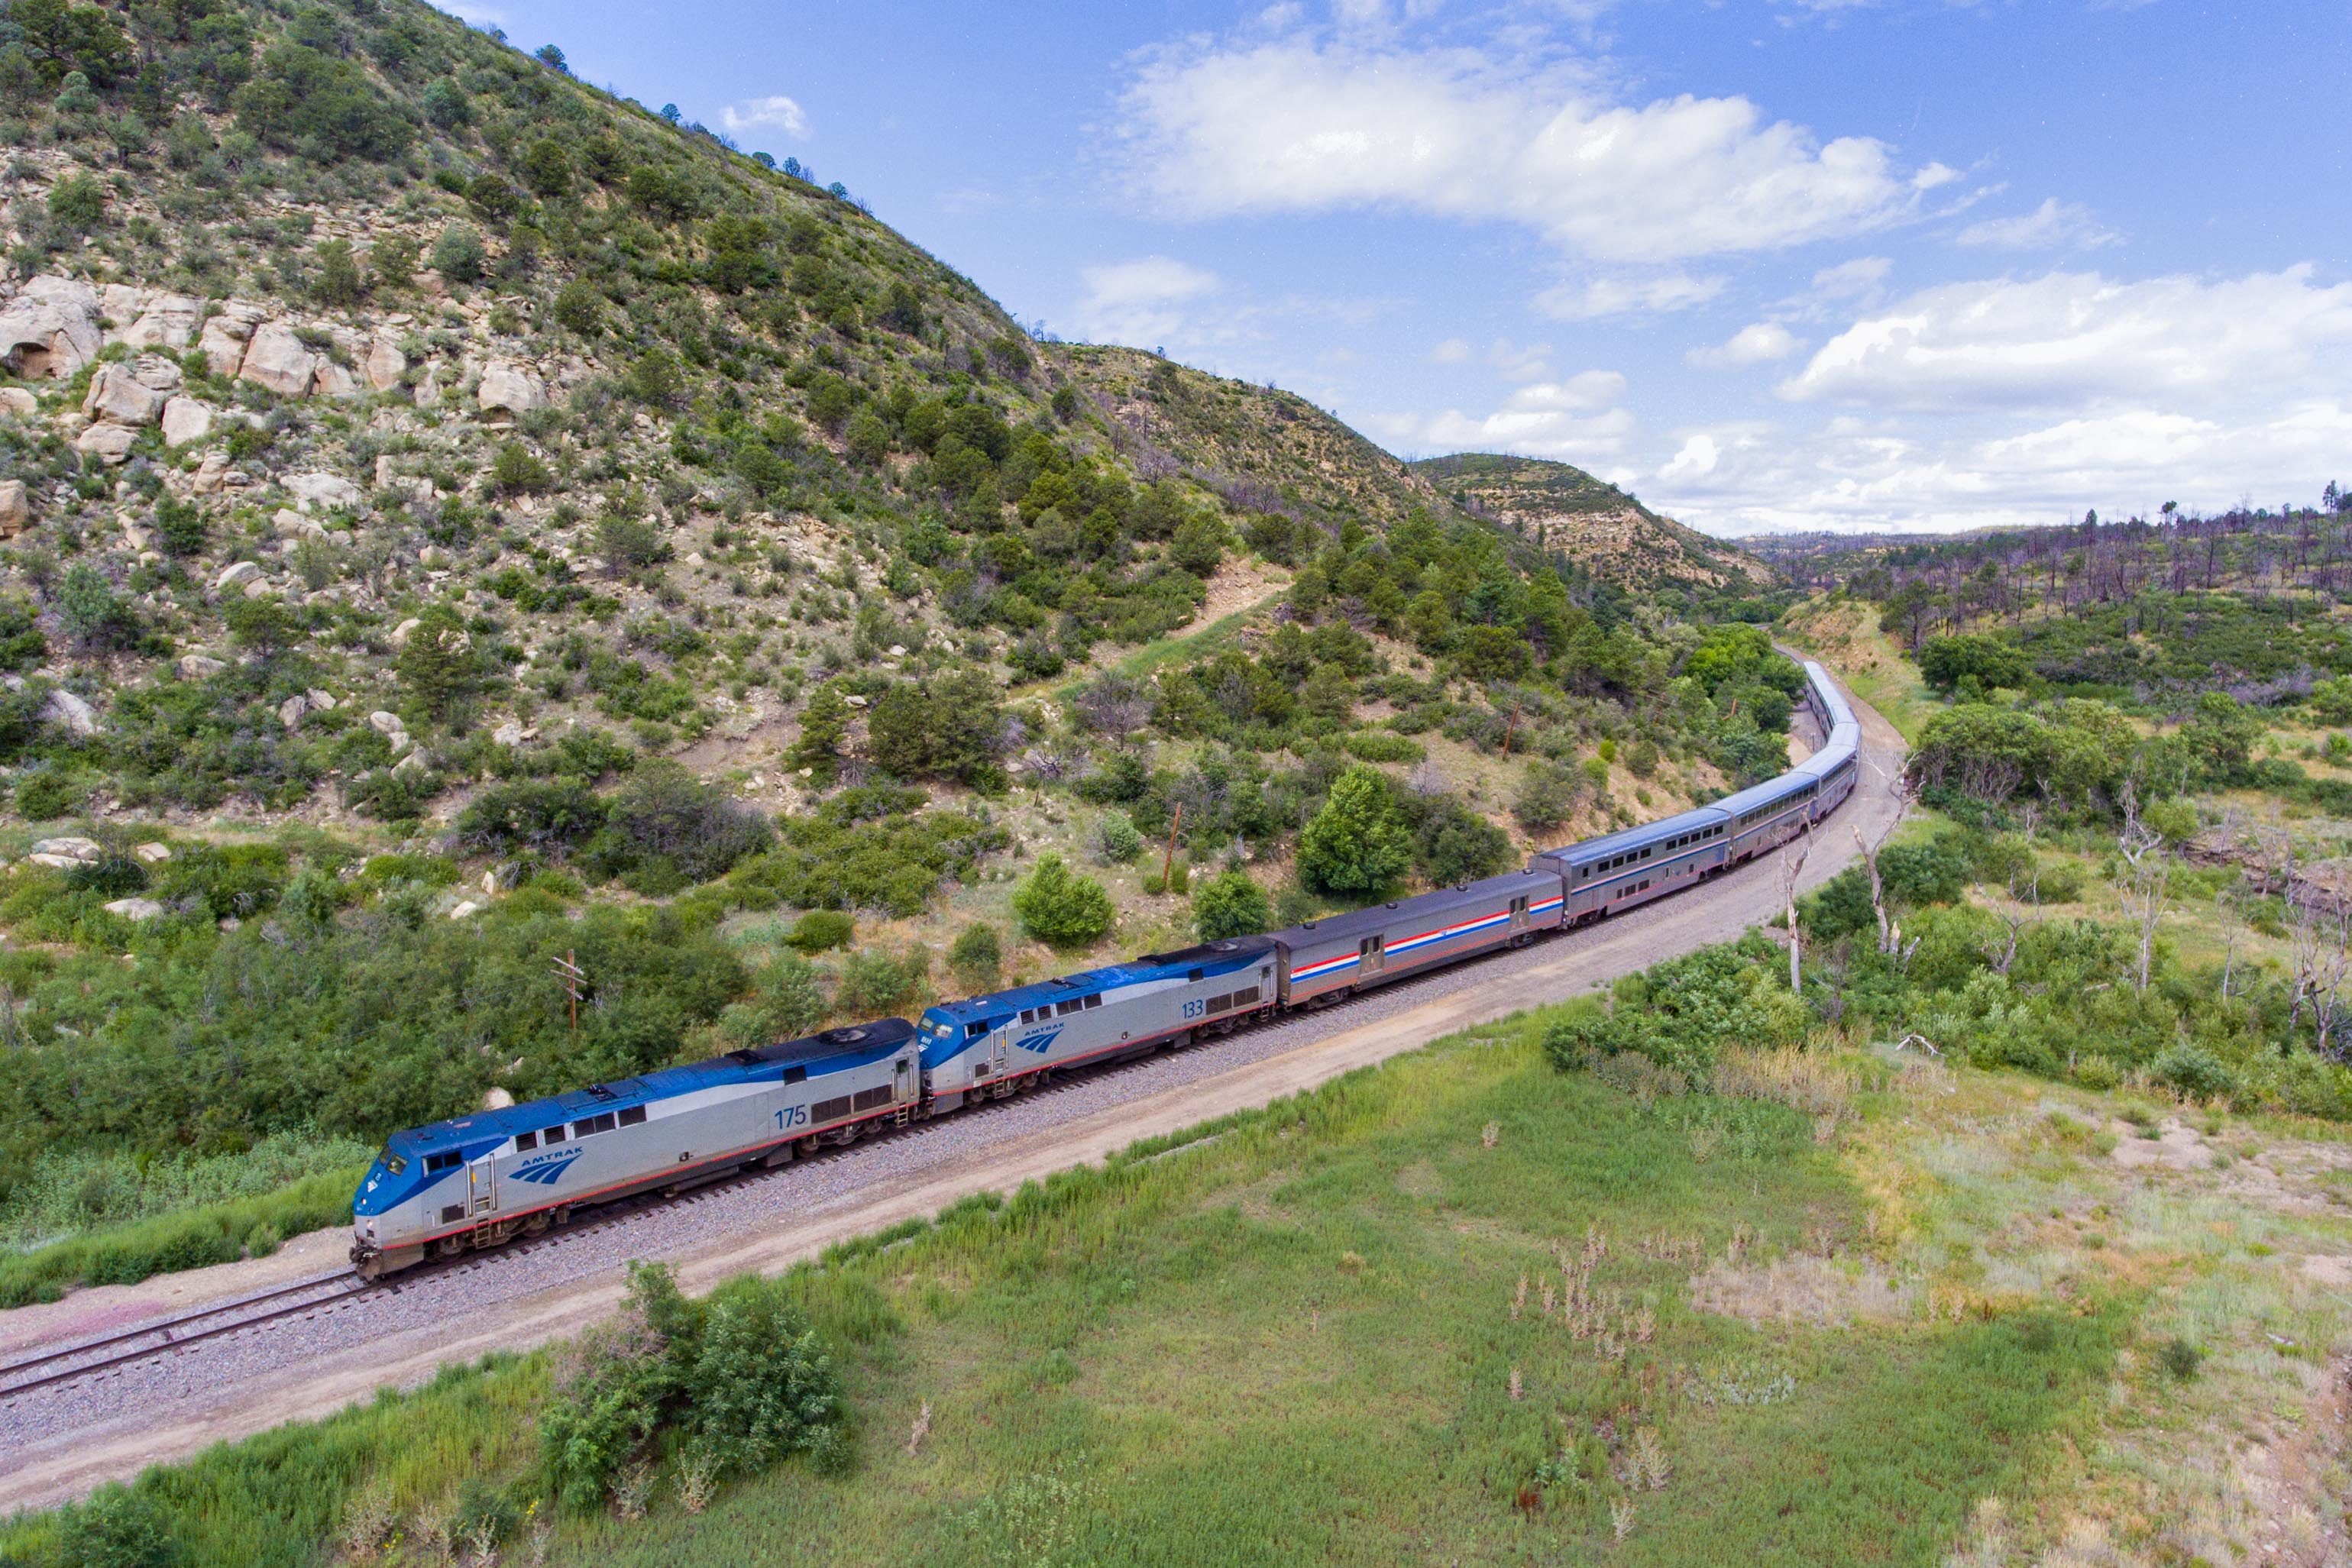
321	490
64	707
50	331
16	509
385	365
132	394
279	360
110	444
165	321
237	574
186	419
508	388
227	335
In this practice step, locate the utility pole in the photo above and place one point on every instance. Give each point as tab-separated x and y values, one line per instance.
1509	728
568	970
1168	862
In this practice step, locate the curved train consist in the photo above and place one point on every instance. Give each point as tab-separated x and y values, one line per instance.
480	1180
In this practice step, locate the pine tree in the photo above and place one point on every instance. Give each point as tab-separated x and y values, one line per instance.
1355	844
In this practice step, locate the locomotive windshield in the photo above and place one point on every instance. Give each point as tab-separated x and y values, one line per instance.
392	1163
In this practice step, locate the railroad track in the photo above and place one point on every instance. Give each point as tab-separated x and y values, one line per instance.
163	1336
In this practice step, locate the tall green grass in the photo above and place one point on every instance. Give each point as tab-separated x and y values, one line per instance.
190	1239
1288	1336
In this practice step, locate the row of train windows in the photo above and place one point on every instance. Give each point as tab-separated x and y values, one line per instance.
1782	804
1632	856
1061	1008
604	1121
1630	889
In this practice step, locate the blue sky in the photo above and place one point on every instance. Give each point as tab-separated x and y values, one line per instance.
1771	264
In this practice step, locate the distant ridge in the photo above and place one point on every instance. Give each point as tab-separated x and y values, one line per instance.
1557	505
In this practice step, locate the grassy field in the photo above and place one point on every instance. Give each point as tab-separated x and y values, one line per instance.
1459	1309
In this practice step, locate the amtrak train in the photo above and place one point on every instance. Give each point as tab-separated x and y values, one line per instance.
481	1180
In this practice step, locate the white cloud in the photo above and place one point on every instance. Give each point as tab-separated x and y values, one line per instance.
777	112
2053	226
1520	361
1296	123
1760	344
1645	296
2057	340
1574	421
1870	474
1134	301
1864	275
1453	351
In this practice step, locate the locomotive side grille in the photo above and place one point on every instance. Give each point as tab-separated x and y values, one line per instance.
827	1110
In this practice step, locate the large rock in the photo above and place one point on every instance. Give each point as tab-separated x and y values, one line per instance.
186	419
211	473
16	509
18	401
196	666
322	489
292	525
110	444
50	331
69	710
400	633
67	847
279	361
387	724
134	908
510	389
120	304
152	852
385	365
331	379
132	394
224	340
291	711
169	321
237	574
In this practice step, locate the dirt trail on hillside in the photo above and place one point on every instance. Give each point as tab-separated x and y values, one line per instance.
51	1469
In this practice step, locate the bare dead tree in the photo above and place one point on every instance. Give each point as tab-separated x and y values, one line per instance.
1889	933
2335	955
1793	864
2146	885
2023	912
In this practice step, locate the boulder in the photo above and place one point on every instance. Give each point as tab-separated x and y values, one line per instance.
18	401
71	711
278	359
197	666
223	341
333	381
385	473
514	732
169	321
152	852
211	473
400	633
410	764
387	724
385	365
16	509
69	848
293	525
237	574
320	702
468	908
139	537
291	712
126	394
497	1100
110	444
50	331
120	303
186	419
134	908
428	390
322	489
55	862
508	388
260	587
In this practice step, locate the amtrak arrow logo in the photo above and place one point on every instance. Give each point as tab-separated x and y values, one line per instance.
1039	1042
547	1173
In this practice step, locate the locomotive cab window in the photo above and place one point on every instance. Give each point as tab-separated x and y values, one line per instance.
392	1163
551	1136
526	1142
633	1115
435	1164
1095	1000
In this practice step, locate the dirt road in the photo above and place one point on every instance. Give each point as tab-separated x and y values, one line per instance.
63	1454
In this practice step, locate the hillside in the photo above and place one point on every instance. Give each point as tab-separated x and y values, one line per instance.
1558	506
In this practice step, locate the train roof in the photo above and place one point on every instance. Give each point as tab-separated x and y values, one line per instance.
1229	952
1357	924
1584	851
855	1045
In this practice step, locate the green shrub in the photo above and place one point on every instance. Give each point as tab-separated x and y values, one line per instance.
1059	908
1355	844
1230	904
458	255
1117	843
118	1528
2195	1073
875	984
978	957
822	929
1384	745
